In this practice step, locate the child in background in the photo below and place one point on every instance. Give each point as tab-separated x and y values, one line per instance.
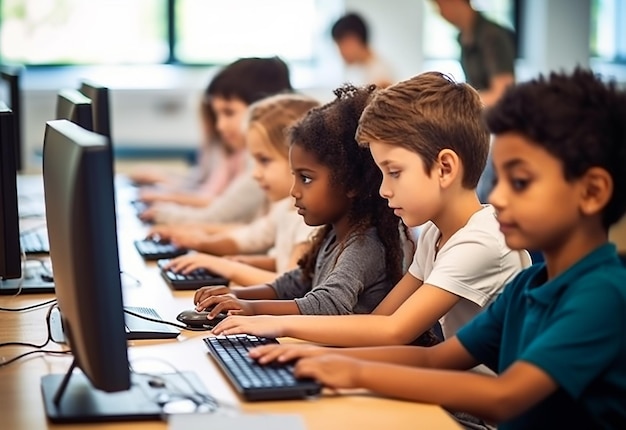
229	193
356	255
556	334
428	138
363	65
282	233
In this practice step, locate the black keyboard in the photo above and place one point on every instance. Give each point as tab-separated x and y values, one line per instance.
252	380
190	281
35	242
154	250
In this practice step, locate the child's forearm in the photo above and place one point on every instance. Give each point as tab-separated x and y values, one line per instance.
218	245
477	394
244	274
257	292
356	330
275	307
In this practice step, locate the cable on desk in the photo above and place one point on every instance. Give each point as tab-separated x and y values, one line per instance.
181	326
32	345
203	401
35	351
28	308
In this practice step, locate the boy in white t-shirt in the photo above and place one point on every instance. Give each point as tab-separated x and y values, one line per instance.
427	136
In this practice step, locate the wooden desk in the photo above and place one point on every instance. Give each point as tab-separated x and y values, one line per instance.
21	405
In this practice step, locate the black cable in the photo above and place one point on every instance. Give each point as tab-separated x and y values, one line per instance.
181	326
28	308
32	345
35	351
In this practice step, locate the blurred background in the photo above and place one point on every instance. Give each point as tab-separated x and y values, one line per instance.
157	56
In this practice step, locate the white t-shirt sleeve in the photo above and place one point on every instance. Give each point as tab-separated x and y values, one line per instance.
471	268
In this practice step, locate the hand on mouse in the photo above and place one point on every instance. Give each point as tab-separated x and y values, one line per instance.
204	293
226	304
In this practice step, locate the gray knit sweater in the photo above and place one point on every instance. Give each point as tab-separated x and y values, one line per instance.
348	279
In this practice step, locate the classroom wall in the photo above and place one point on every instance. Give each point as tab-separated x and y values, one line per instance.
156	106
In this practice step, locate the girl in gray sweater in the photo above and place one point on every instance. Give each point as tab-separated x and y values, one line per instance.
357	254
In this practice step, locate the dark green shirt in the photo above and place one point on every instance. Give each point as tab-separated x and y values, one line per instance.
491	52
573	327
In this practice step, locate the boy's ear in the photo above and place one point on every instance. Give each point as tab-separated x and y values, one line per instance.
447	167
596	191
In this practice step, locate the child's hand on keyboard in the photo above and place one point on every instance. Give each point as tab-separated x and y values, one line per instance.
335	371
261	325
285	352
188	263
160	233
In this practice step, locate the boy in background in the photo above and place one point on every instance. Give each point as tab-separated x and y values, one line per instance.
363	65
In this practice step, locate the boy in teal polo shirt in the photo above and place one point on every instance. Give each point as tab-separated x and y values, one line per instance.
556	336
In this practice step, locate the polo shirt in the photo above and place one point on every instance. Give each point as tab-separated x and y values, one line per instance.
573	327
491	52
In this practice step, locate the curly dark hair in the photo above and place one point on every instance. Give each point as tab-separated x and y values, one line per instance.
578	119
327	132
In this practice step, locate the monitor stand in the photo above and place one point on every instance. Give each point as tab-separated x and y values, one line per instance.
36	279
71	398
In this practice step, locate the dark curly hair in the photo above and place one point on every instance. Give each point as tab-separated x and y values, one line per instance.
327	132
578	119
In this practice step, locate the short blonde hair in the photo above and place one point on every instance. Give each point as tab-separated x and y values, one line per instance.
272	117
426	114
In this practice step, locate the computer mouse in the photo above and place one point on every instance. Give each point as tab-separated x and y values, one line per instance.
194	318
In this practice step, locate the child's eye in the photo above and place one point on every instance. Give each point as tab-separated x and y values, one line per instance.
305	179
263	160
394	173
519	184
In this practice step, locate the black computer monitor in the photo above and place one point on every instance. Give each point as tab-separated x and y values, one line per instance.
99	96
10	77
80	213
76	107
16	276
10	257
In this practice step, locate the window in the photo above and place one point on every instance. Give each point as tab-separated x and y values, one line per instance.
82	32
52	32
608	34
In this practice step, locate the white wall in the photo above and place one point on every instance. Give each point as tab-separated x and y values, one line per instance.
157	106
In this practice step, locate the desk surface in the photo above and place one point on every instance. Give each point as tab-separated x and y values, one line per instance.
21	405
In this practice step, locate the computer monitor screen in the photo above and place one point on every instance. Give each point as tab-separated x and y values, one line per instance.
81	220
76	107
10	90
10	262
